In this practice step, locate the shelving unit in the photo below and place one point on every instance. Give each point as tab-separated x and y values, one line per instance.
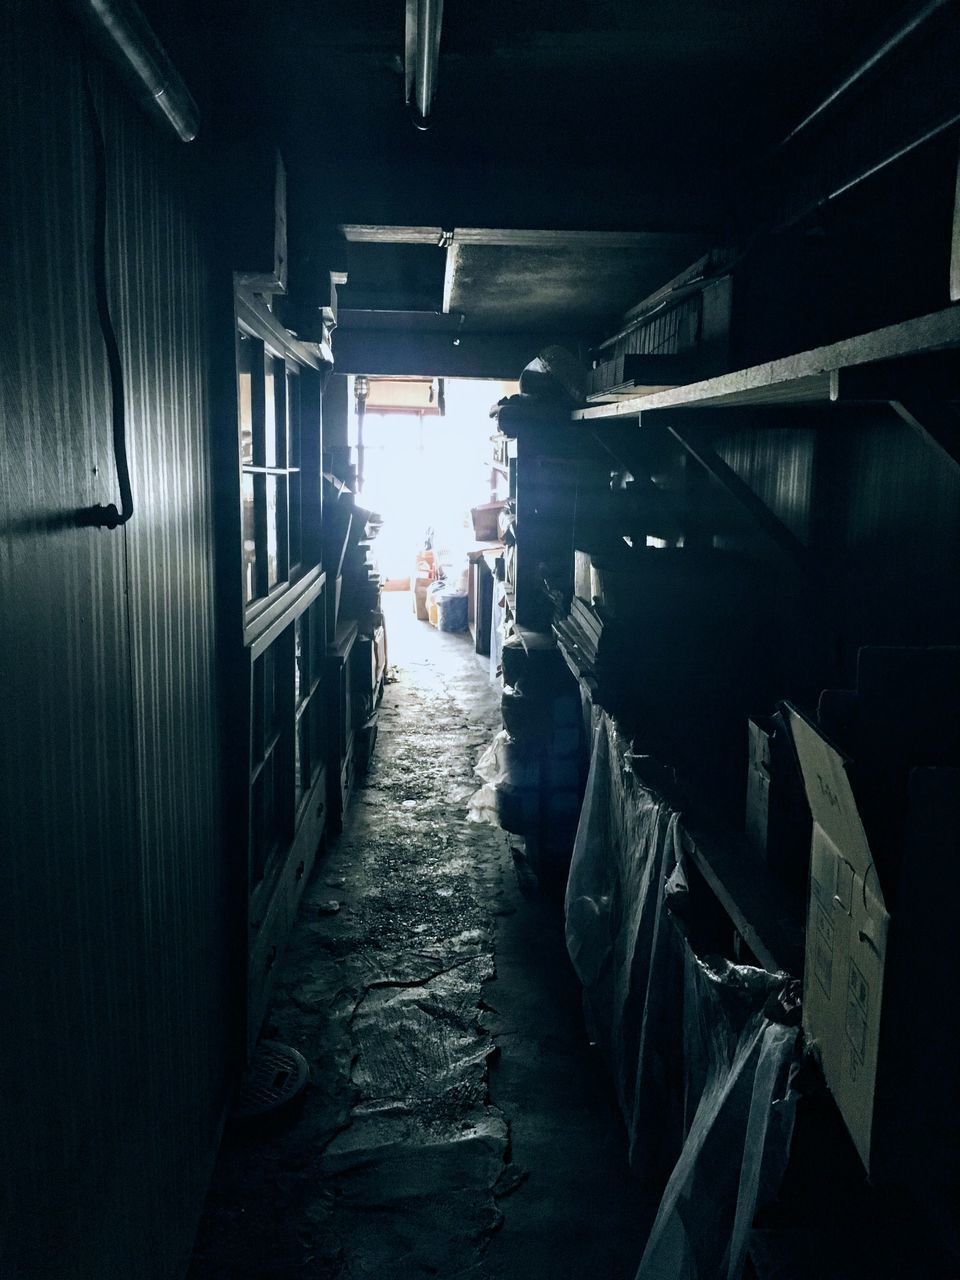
278	602
868	368
909	366
848	404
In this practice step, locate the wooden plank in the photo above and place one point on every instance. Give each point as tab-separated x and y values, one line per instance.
370	233
500	238
767	917
262	630
806	378
258	319
271	276
632	375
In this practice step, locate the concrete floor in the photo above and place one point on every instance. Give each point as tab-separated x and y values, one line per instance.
457	1124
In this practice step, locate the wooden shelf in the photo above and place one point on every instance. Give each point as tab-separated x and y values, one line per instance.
810	378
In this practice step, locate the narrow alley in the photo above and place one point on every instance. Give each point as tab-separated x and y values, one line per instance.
457	1122
480	692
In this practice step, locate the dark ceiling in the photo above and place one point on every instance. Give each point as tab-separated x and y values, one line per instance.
628	114
645	116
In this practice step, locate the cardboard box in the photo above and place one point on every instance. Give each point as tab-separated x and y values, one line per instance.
916	1140
777	817
485	521
420	586
882	967
847	929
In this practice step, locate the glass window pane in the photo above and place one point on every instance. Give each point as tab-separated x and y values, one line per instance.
302	665
271	703
315	714
267	703
296	534
256	830
248	535
302	756
245	389
272	548
264	815
270	412
280	411
318	632
257	732
293	419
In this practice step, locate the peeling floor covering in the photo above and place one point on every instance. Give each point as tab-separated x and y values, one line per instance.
457	1123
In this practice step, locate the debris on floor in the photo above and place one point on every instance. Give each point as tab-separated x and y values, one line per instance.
401	1160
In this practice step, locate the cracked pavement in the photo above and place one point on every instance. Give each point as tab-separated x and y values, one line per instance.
457	1123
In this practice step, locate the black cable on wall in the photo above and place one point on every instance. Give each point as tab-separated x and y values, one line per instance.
107	517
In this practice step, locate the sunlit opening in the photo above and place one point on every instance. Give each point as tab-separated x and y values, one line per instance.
424	471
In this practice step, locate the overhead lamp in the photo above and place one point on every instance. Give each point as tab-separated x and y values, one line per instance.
422	57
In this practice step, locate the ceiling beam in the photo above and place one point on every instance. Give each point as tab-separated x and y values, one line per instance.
362	233
507	238
489	237
393	353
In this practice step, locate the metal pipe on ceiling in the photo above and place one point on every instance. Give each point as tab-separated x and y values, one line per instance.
422	56
888	46
131	44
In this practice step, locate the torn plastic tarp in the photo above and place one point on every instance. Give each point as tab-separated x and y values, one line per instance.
738	1058
699	1048
509	796
627	954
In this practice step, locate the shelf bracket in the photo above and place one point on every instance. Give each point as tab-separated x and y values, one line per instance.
937	422
696	440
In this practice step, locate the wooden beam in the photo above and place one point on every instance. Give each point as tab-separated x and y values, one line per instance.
505	237
502	238
936	422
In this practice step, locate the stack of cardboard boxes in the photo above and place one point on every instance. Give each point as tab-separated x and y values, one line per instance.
881	771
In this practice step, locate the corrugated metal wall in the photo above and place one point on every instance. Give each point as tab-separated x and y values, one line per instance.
881	511
115	978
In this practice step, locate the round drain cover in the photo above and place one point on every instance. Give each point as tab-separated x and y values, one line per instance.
276	1075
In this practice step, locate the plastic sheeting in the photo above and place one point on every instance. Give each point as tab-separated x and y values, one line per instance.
509	796
738	1062
700	1048
627	955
